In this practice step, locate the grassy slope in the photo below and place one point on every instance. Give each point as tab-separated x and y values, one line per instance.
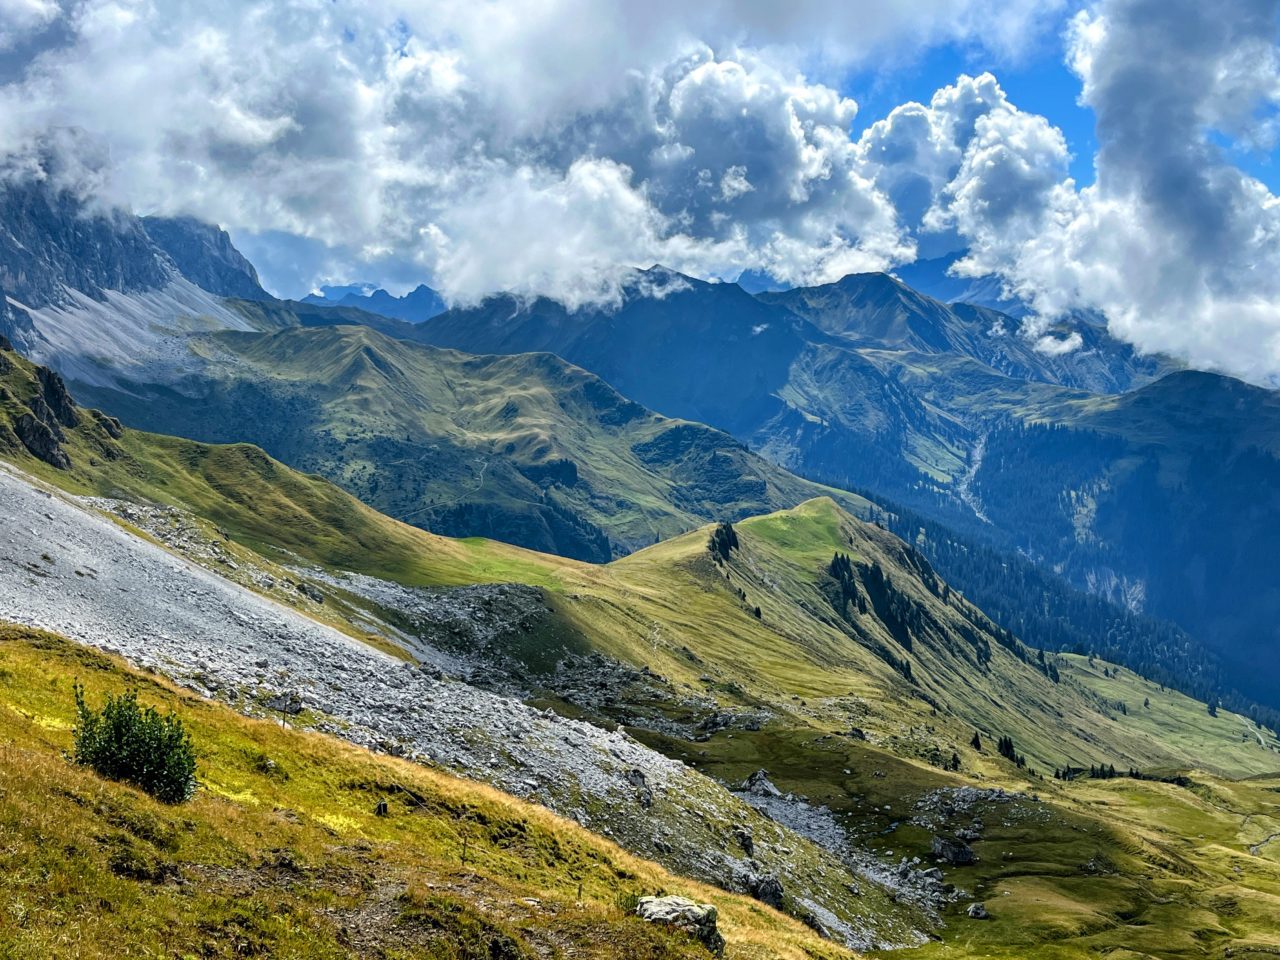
655	605
431	435
1131	869
799	648
671	607
290	861
1175	722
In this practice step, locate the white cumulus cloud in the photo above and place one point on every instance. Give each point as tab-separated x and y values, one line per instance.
1174	243
537	145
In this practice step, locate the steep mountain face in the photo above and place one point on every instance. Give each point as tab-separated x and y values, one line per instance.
526	449
91	292
419	304
204	254
1166	499
53	241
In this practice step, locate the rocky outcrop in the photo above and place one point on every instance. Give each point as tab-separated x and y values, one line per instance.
40	418
41	442
696	919
54	393
206	256
112	427
759	784
768	890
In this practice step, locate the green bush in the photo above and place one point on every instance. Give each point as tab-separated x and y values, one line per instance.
137	745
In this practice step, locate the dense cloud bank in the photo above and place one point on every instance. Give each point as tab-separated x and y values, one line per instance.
548	147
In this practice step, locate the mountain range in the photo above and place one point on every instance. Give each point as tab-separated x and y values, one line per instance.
1150	485
419	304
612	562
864	384
807	641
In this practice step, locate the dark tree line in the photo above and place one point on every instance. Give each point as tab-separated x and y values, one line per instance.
723	541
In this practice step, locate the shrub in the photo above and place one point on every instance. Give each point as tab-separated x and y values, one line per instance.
124	741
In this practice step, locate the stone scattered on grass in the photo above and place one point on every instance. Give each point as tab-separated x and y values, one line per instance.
696	919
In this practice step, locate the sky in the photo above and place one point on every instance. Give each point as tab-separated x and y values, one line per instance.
1103	158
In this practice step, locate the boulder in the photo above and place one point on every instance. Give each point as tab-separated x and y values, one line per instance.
310	592
644	793
768	890
978	911
696	919
760	785
954	852
289	703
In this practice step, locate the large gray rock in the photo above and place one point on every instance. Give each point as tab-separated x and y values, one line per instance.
54	239
41	441
954	852
760	785
696	919
768	890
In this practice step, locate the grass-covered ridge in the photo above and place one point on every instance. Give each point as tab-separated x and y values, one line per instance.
281	853
920	651
528	449
1102	864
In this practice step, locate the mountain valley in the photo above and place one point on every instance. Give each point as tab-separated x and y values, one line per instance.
505	566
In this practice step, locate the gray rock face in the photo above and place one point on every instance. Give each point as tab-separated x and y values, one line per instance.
768	890
54	394
954	852
696	919
41	441
205	256
53	241
759	784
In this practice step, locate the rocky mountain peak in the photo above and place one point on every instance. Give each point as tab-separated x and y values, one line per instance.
205	255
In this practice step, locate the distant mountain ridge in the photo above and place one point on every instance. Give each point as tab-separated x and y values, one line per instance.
527	449
418	305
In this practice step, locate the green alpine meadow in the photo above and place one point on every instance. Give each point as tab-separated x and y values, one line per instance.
599	481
